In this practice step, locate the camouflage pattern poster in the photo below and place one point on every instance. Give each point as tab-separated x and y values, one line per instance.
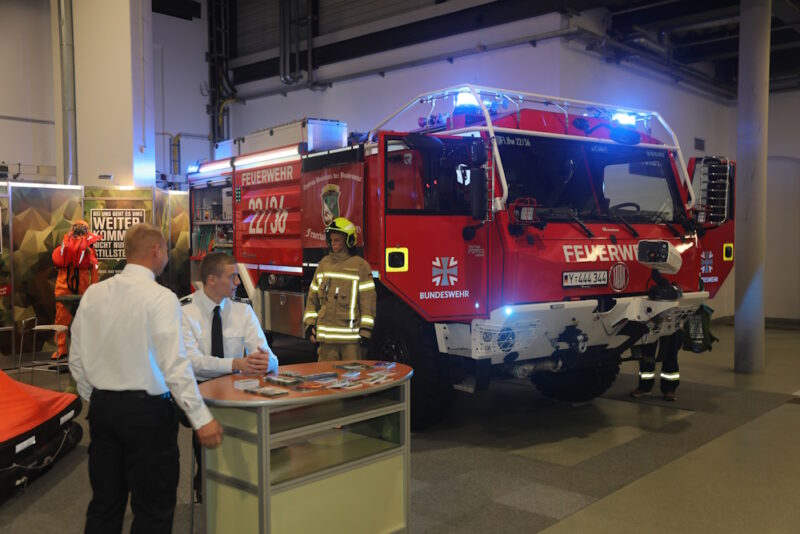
40	217
178	237
6	318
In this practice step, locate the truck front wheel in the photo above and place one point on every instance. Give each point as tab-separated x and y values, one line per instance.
403	337
577	385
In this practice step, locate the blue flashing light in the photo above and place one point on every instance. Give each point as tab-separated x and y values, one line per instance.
624	118
466	99
508	310
192	168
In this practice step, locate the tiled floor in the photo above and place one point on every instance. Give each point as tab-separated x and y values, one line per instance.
745	480
721	459
512	461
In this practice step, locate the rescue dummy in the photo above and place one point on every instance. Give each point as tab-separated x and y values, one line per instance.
340	309
77	270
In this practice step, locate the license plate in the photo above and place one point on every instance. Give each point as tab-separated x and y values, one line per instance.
584	278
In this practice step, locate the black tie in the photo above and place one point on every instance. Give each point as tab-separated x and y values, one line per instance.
216	335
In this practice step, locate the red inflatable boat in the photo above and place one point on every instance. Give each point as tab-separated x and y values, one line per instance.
37	427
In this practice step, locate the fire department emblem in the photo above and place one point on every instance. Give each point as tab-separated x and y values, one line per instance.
706	261
619	277
330	203
444	271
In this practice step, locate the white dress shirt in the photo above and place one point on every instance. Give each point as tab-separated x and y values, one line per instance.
240	331
127	336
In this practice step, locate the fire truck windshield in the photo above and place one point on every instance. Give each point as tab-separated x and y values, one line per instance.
596	181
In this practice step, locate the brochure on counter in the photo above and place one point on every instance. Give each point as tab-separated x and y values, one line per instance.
355	376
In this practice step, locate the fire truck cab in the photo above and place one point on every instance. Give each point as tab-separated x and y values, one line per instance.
510	234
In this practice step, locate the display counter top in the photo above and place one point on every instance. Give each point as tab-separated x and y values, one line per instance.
222	391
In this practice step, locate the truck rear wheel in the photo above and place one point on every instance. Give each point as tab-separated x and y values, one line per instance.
577	385
403	337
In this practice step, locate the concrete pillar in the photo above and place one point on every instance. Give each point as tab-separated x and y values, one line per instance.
751	186
64	90
115	112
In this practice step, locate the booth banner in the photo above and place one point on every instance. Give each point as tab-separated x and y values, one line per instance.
6	306
111	225
328	194
40	217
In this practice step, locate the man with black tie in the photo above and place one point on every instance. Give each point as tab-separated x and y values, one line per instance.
222	335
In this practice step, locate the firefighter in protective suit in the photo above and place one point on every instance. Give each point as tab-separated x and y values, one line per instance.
340	309
77	270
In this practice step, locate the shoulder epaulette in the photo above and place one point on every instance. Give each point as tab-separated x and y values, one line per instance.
240	299
186	300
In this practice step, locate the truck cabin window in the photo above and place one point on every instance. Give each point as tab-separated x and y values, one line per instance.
597	181
434	181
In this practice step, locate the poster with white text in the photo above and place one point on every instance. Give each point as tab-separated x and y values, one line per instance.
111	225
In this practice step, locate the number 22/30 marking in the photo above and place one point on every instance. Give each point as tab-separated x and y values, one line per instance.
271	220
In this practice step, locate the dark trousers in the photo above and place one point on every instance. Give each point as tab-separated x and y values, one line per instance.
133	450
668	348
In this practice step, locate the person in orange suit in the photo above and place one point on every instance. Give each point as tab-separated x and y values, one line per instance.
77	270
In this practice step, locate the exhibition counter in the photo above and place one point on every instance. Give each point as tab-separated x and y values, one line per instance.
322	447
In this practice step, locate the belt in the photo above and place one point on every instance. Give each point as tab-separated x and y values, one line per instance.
130	394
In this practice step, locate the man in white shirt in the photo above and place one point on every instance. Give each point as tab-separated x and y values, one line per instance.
127	357
238	325
216	350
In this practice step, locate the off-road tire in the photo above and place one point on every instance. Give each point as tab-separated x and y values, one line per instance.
577	385
401	336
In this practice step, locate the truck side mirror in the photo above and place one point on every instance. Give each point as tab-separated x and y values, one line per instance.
713	181
478	198
477	153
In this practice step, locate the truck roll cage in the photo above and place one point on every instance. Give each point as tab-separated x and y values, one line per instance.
523	100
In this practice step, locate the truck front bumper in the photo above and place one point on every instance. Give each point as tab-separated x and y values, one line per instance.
533	330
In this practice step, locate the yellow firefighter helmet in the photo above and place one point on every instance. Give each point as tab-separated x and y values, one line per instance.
343	226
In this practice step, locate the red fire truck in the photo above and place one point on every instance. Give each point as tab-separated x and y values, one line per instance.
510	234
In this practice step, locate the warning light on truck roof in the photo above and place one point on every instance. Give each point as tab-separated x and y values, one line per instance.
624	118
466	99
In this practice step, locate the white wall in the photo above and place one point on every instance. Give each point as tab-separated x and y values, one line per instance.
114	92
181	78
689	114
363	102
27	86
784	130
782	269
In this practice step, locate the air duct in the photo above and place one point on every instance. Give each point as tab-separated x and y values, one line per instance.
68	131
